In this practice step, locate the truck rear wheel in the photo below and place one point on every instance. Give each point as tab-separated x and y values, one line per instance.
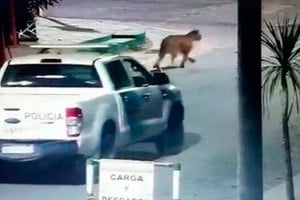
107	146
172	139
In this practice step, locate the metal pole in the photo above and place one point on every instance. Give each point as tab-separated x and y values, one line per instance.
12	23
176	180
89	178
2	39
250	178
3	55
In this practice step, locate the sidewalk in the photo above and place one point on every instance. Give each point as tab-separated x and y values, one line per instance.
72	31
279	192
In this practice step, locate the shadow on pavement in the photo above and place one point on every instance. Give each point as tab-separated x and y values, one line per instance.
57	173
68	27
62	173
191	139
75	28
171	67
147	152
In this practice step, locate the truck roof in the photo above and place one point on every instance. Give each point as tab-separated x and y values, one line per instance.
70	58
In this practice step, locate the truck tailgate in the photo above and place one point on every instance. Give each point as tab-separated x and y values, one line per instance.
31	116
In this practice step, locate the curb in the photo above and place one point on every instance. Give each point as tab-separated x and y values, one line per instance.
117	43
116	39
279	192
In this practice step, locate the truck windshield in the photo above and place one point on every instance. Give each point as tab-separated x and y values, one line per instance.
50	75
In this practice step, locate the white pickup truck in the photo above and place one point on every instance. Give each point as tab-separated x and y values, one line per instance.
80	105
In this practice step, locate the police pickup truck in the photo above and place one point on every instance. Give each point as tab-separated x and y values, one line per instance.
64	105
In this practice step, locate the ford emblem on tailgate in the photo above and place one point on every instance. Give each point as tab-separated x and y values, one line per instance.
12	120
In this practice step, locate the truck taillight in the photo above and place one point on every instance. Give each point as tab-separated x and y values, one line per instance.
73	121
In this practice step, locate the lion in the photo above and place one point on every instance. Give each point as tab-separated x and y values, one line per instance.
175	44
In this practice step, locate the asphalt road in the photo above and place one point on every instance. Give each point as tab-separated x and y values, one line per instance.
132	10
209	88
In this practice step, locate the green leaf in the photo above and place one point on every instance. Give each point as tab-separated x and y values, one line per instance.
281	69
34	5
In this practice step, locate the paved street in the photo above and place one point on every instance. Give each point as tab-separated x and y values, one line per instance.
133	10
209	88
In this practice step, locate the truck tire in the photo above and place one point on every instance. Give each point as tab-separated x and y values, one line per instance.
171	141
107	146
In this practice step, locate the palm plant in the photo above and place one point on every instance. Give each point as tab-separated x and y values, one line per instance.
281	73
26	11
35	5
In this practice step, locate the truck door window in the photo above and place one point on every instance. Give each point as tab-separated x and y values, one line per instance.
118	75
137	70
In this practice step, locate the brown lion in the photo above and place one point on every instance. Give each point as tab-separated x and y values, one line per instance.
175	44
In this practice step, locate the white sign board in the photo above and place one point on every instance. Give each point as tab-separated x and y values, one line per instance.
126	180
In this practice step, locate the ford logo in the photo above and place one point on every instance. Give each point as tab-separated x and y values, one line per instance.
12	120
